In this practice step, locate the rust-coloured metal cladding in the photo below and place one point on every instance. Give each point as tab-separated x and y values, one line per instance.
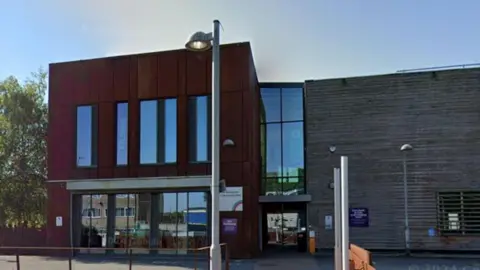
131	78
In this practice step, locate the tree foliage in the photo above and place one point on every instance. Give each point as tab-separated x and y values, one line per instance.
23	151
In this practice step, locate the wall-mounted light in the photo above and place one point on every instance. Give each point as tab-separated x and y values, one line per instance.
228	143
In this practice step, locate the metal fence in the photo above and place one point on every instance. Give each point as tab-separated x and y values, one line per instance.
60	258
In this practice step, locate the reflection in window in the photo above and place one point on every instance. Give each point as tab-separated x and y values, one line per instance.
122	133
292	104
293	152
167	222
271	104
86	136
197	219
94	224
182	229
199	128
274	150
282	141
158	131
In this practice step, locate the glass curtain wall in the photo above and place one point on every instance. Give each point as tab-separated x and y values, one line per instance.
282	141
93	229
182	221
165	223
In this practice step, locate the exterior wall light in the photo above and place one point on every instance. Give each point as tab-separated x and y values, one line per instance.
228	143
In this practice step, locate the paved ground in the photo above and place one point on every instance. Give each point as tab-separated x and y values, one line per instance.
284	262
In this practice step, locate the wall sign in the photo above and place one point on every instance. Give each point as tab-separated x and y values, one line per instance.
328	222
231	199
229	225
358	217
59	221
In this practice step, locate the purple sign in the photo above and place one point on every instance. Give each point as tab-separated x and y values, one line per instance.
229	225
358	217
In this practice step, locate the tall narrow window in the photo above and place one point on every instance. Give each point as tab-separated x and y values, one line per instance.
122	133
158	131
199	128
86	136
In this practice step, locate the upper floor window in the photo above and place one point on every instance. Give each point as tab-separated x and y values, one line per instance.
199	128
158	131
282	104
122	133
86	136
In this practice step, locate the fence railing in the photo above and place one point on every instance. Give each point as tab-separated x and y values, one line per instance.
73	258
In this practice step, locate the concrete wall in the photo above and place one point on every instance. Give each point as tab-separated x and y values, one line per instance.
368	119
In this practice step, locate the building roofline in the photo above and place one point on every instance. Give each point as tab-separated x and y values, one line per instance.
281	84
227	45
407	72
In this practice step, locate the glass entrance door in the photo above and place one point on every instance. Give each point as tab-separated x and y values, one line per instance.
283	223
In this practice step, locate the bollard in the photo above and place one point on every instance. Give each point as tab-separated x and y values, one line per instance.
227	258
70	261
130	259
18	261
311	242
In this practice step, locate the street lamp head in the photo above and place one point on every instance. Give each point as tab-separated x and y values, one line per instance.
406	147
199	42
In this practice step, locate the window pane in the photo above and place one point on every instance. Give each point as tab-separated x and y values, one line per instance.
122	133
292	104
122	223
167	222
182	230
271	104
197	219
272	186
170	130
85	136
292	144
199	128
274	150
139	212
148	132
94	223
293	186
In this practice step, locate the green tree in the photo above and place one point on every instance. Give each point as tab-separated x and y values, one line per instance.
23	151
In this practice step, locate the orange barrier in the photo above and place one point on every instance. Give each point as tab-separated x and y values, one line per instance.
69	252
360	259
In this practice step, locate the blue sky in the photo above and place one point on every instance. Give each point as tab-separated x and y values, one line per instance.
292	40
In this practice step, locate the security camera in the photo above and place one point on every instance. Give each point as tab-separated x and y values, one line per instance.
332	148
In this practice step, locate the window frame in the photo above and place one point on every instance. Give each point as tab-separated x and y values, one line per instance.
158	136
116	134
92	208
265	178
190	139
93	136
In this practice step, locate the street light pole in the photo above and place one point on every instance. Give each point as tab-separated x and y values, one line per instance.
201	42
215	249
405	148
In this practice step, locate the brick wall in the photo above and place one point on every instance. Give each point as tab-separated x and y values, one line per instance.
368	119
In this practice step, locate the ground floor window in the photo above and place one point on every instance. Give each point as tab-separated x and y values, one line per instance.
459	213
163	222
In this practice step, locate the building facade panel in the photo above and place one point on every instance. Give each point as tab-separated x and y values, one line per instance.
104	83
368	119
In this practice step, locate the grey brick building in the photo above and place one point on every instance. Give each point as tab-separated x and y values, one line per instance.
368	119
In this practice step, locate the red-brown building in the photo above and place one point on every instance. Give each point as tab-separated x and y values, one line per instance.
111	146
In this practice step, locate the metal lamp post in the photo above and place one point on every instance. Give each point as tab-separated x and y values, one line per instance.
201	41
406	148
